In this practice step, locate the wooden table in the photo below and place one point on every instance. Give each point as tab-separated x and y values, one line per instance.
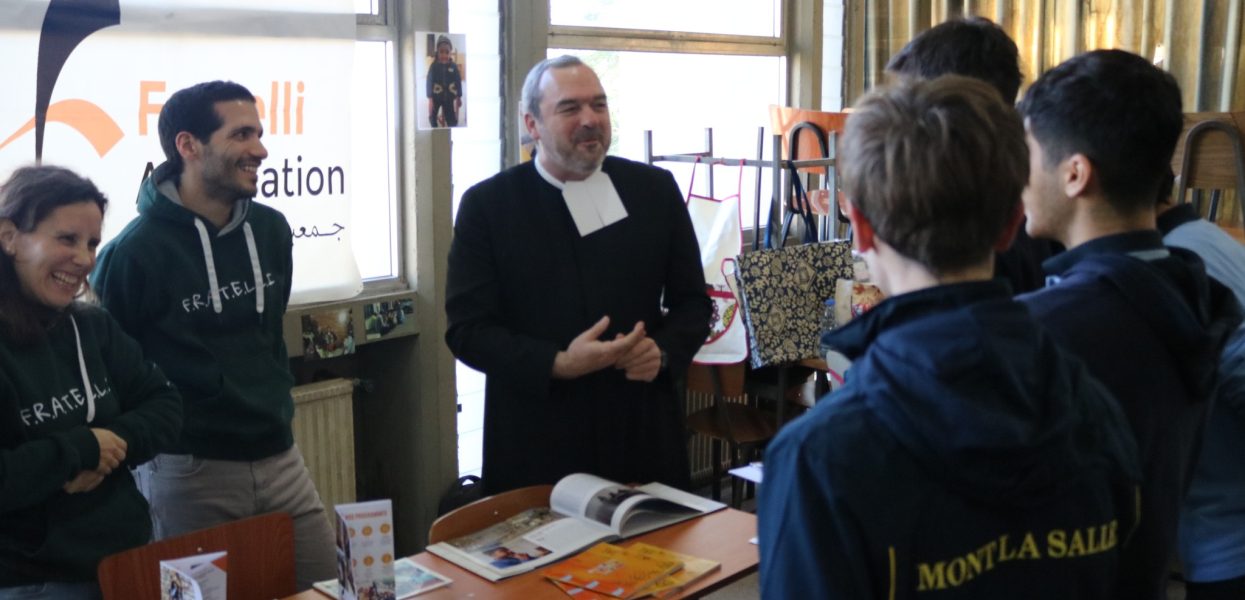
722	536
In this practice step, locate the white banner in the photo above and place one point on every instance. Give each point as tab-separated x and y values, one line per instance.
104	105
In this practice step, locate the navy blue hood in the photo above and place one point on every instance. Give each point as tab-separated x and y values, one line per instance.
1191	313
979	393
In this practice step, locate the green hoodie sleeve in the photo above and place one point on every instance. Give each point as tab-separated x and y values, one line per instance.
151	407
33	470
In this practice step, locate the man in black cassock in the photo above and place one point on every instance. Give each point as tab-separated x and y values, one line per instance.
575	285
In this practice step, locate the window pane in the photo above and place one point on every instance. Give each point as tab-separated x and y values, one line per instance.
367	7
374	208
735	17
677	96
477	147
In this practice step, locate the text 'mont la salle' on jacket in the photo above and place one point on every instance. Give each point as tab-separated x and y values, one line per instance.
966	456
207	305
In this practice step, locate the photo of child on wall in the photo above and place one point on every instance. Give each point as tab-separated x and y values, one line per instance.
443	72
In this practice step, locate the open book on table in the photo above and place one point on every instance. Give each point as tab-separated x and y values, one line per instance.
583	509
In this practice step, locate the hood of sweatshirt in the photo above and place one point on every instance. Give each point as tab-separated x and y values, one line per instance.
979	394
158	197
1191	313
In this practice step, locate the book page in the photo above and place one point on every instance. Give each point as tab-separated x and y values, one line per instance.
595	499
626	511
656	505
519	544
661	490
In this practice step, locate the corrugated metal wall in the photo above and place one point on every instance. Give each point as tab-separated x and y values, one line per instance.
1198	41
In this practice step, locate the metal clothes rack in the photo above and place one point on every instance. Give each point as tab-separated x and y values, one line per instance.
781	188
781	184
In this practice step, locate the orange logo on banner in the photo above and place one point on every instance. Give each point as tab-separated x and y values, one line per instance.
85	117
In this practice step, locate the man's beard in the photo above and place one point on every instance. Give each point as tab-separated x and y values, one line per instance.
577	161
221	181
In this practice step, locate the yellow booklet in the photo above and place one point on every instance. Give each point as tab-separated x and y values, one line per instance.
693	569
612	571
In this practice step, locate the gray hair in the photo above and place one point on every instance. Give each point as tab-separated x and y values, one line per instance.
529	102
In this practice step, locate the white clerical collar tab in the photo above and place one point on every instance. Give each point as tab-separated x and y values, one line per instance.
594	202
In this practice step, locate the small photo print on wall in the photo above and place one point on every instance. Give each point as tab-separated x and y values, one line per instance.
328	334
441	70
382	319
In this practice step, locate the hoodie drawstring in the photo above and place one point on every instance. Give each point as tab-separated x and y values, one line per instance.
86	379
211	265
256	271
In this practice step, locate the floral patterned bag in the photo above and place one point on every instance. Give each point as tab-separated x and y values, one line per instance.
783	291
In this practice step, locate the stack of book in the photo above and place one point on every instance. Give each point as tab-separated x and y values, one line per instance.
640	570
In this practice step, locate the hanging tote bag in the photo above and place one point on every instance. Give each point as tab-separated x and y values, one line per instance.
797	202
720	233
783	293
783	289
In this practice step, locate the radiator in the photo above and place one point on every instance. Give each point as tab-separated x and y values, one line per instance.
324	432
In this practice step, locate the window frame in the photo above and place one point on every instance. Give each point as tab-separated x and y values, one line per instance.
528	33
383	26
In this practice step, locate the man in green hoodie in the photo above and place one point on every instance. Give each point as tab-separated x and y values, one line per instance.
201	279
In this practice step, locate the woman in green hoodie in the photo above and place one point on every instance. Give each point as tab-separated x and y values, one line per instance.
78	404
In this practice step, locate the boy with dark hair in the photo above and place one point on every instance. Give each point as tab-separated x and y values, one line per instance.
966	454
977	48
1146	320
201	278
972	47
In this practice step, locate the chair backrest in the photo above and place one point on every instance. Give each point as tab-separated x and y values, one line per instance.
487	511
1210	155
260	559
729	379
1206	161
784	118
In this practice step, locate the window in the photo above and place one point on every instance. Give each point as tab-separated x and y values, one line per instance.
677	96
733	17
677	68
374	213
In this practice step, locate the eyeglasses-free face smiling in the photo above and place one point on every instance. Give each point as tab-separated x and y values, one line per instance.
573	130
53	260
233	153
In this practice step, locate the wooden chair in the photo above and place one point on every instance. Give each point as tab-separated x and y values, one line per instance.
744	428
260	559
487	511
796	125
1210	155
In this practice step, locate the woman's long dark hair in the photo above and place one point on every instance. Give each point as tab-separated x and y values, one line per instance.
26	199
